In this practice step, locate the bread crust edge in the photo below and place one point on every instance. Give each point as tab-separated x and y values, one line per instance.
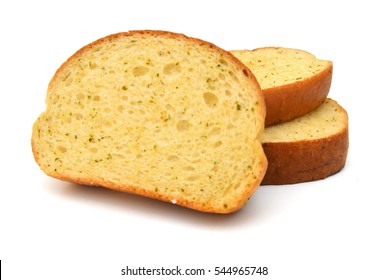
306	160
287	102
290	101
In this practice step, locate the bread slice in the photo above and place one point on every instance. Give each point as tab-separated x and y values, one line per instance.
157	114
308	148
294	82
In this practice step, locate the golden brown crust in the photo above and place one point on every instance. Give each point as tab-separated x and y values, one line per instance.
287	102
307	160
290	101
155	195
181	201
91	181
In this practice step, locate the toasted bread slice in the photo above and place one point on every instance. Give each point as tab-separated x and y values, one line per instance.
294	82
157	114
308	148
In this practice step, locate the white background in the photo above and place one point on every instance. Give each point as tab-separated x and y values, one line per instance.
330	229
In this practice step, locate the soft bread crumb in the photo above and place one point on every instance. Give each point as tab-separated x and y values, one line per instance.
274	67
157	114
325	121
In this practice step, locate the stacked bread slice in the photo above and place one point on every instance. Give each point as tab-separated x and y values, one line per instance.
308	148
306	135
294	82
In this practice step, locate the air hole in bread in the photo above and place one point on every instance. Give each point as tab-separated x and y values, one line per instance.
227	92
223	61
92	65
173	158
215	131
183	125
232	75
78	116
171	68
62	149
140	71
68	120
66	75
189	168
217	144
192	178
80	96
210	99
97	98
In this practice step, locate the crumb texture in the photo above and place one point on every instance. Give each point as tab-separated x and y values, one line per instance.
328	119
275	67
157	114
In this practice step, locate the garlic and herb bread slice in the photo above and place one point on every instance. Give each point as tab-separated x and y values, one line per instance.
308	148
294	82
157	114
